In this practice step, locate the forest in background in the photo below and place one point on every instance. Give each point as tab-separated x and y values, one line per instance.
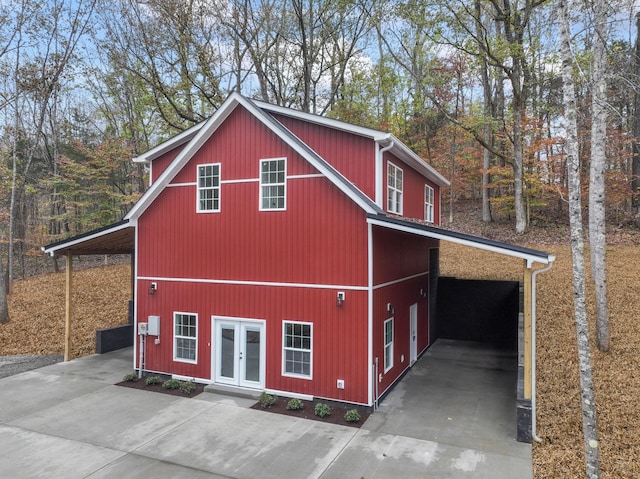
474	88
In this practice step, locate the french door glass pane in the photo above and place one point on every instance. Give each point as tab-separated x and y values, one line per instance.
227	352
252	355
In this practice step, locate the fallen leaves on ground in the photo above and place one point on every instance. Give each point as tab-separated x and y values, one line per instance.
37	311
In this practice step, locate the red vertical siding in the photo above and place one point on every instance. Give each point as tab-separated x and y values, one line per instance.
321	239
158	165
354	156
401	265
339	333
413	190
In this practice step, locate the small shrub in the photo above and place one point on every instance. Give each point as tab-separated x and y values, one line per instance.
267	400
151	380
295	404
322	410
131	377
352	415
171	384
187	387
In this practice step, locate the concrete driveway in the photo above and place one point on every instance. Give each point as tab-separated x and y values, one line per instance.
68	420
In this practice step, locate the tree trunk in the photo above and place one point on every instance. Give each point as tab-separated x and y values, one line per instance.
487	112
635	162
589	427
597	236
4	308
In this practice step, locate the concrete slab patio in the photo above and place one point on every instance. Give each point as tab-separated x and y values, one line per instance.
69	420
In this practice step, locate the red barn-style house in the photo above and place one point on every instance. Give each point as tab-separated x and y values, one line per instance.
282	251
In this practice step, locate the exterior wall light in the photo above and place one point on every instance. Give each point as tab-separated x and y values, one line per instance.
340	299
423	293
153	287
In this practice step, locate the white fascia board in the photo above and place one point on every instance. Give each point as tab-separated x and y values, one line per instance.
205	130
168	145
486	247
51	251
410	157
376	135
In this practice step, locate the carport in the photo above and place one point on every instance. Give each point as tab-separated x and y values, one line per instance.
534	262
117	238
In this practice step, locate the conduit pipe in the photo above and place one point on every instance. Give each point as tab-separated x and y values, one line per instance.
534	434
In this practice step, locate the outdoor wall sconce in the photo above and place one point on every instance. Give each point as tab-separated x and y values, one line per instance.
340	299
423	293
153	287
390	308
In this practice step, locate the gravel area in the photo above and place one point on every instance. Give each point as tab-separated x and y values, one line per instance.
10	365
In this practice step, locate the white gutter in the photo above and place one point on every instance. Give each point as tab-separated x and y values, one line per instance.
534	436
380	174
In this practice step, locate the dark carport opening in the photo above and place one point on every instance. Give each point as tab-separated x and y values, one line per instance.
488	312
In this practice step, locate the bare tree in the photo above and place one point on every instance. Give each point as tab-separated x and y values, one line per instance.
597	226
577	248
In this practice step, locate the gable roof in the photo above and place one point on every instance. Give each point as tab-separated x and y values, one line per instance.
397	148
205	131
414	227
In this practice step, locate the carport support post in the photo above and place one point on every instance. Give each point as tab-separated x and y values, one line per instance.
67	305
528	273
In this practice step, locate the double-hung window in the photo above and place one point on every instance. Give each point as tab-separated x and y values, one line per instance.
273	174
297	349
394	189
428	203
185	337
388	344
209	188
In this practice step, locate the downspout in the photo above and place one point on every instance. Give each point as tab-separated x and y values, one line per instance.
379	173
534	436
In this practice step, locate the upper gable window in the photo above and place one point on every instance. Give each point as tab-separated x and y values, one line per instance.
273	173
394	189
428	203
209	187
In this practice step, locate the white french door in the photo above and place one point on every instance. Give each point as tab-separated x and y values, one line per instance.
239	352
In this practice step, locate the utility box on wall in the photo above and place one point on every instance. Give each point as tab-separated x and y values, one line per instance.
153	328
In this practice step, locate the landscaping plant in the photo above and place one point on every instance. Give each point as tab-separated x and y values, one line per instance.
322	410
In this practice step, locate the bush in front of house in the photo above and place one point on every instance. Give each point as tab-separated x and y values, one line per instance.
267	400
171	384
151	380
131	377
295	404
322	410
352	415
187	387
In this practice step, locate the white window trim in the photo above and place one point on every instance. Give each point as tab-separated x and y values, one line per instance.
429	208
284	356
387	367
272	184
199	188
397	204
175	356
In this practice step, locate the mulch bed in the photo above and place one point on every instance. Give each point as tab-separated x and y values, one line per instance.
307	412
139	384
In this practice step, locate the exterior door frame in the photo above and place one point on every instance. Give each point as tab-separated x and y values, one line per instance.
413	333
240	327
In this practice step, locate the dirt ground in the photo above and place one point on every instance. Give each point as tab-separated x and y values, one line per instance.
101	295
